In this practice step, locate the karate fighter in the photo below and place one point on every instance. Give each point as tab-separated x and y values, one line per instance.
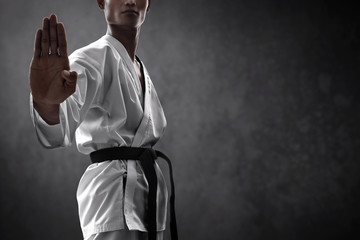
102	96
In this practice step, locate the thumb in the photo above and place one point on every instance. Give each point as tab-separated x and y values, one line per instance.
70	77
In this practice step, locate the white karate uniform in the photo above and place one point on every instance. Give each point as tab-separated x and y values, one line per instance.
108	109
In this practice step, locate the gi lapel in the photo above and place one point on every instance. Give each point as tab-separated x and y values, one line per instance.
129	65
146	120
140	133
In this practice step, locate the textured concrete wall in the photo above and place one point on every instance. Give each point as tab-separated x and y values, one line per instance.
263	116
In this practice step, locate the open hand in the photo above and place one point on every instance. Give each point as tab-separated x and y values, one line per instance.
51	80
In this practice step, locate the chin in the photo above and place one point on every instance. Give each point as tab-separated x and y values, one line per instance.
131	23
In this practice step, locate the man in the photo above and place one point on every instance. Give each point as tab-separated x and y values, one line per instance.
102	96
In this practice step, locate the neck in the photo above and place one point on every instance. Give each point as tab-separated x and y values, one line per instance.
129	37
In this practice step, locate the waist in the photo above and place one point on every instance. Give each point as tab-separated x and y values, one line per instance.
123	153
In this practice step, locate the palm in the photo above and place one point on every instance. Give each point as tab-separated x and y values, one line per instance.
47	82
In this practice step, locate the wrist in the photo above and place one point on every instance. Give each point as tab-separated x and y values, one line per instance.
48	112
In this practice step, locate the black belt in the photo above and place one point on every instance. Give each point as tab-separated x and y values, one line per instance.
147	157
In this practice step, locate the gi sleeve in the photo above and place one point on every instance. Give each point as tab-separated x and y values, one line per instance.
72	111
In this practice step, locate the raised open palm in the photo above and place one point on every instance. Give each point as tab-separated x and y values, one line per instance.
51	81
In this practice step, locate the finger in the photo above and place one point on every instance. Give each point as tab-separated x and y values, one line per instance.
61	39
45	38
53	34
70	81
37	47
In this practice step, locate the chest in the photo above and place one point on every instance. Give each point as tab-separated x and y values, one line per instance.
140	73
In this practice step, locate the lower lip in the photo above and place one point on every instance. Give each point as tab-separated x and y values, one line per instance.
130	13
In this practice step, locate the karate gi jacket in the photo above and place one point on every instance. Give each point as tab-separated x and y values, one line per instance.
108	109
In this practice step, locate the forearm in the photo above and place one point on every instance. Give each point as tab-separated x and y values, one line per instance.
48	112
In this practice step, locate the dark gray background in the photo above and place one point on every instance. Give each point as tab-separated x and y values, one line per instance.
262	104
